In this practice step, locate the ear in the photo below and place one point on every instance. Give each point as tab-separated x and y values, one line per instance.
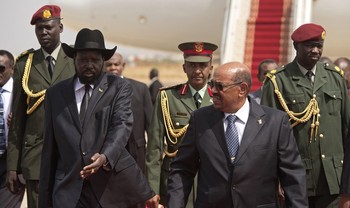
61	27
244	89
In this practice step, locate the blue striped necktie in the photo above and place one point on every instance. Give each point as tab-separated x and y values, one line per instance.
2	125
232	137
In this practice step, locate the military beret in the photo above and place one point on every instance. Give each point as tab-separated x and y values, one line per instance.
308	32
46	13
197	51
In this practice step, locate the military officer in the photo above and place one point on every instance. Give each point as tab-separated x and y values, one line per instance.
34	72
172	113
315	97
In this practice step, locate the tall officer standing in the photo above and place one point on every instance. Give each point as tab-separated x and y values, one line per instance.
172	113
35	71
315	97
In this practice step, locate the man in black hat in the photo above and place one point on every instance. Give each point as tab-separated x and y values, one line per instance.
88	122
34	72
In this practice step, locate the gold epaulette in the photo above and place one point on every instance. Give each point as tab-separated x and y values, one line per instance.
335	68
273	72
25	53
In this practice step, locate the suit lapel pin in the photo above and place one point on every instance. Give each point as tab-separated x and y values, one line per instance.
100	90
260	121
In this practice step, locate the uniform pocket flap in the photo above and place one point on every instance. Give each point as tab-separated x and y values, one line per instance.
307	164
338	161
333	94
295	98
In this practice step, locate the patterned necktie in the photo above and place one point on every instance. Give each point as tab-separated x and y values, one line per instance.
50	64
232	137
84	103
2	125
196	98
309	75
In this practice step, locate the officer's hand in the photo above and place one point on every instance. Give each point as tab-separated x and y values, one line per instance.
13	183
344	201
98	160
154	202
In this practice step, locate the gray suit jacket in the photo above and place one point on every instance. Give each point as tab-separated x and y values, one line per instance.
267	152
69	145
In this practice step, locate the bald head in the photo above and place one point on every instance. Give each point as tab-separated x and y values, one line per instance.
237	72
342	62
230	85
115	64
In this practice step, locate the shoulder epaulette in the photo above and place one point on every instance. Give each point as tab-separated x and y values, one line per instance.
335	68
25	53
274	71
171	87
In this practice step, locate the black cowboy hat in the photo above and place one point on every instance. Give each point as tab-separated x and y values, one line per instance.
89	40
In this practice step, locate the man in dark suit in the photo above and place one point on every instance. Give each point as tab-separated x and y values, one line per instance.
88	122
155	84
7	61
141	107
35	71
241	168
264	67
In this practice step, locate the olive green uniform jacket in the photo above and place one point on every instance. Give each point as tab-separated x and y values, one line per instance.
323	154
180	105
26	131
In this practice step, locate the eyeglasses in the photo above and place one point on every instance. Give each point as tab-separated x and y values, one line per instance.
220	86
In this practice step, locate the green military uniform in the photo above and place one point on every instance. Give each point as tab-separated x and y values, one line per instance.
25	138
178	103
321	147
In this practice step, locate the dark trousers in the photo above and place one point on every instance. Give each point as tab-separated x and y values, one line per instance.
324	201
8	199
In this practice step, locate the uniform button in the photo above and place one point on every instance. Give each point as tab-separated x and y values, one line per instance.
323	156
321	135
334	96
314	96
294	101
177	124
84	153
341	161
318	115
233	187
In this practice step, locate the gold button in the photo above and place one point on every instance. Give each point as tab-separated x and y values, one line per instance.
341	161
294	101
314	96
177	124
318	115
334	96
321	135
323	156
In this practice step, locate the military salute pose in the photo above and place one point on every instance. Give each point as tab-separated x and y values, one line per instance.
314	96
35	71
172	113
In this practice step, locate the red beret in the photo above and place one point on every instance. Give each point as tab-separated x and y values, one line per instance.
307	32
45	13
197	51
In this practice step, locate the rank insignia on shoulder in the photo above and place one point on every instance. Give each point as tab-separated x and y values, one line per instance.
25	53
273	71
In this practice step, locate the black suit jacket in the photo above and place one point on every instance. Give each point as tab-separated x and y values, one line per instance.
154	89
69	145
267	152
141	107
